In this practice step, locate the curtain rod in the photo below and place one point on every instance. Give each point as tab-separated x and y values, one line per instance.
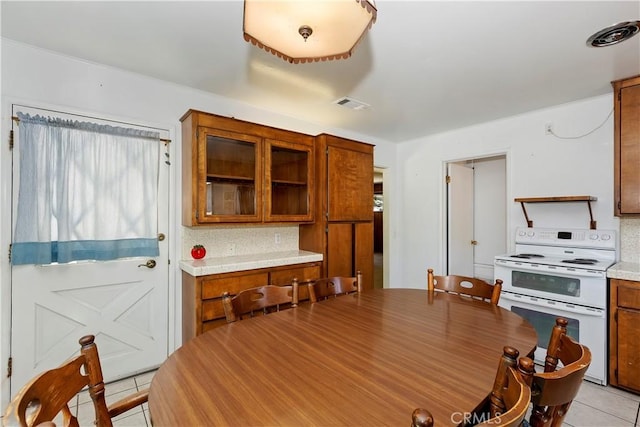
164	140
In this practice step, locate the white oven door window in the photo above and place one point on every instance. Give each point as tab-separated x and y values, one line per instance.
581	287
586	325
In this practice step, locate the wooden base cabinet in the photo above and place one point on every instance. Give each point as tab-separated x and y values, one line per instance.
343	231
202	308
624	335
627	146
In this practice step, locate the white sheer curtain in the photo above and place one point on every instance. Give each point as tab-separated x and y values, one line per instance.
86	191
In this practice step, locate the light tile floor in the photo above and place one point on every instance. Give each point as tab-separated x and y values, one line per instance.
595	405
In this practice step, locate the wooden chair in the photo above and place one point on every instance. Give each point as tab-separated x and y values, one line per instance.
322	289
261	300
48	394
467	286
553	390
506	405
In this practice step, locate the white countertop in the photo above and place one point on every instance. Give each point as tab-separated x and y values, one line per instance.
625	271
202	267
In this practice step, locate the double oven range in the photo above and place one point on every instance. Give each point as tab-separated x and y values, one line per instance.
561	273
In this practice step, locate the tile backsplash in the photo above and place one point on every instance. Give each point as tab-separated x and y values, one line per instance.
221	241
630	239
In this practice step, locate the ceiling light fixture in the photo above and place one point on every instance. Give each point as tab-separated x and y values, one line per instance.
301	31
615	34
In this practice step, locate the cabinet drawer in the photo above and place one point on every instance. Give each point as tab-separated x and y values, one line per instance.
629	297
285	277
212	309
213	288
303	274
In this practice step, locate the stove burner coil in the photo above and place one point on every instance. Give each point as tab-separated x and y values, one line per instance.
527	256
582	261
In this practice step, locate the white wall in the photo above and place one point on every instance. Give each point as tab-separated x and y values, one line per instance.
537	165
39	78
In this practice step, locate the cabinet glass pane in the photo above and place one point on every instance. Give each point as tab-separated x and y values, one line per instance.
289	187
231	180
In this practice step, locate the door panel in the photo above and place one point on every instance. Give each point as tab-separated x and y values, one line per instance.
117	301
122	302
460	220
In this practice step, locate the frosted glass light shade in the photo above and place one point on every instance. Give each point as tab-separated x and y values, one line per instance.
337	27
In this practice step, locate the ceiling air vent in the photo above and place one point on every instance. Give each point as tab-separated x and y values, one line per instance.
351	103
614	34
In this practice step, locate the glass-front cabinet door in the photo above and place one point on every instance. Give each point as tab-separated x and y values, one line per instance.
288	181
230	184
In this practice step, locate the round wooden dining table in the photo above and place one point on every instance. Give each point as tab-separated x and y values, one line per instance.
359	359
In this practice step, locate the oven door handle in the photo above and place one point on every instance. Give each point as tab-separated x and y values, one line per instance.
555	305
545	269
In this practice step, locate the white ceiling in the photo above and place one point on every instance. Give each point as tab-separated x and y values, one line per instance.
425	67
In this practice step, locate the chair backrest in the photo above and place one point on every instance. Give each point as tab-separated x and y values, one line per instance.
48	394
462	285
260	300
322	289
554	390
506	405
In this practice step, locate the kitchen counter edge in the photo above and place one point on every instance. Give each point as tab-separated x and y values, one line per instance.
625	270
206	266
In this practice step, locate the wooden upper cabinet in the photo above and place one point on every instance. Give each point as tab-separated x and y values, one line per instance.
289	181
230	181
627	146
349	180
235	171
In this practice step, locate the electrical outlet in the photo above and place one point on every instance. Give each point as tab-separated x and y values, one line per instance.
548	129
277	238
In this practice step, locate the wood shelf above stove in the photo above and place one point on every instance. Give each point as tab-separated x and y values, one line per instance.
556	199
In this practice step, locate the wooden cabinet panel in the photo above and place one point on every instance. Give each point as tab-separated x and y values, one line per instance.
212	309
303	274
364	252
629	349
213	287
627	146
629	297
624	334
340	245
350	185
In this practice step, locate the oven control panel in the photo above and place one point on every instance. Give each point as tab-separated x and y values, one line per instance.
601	239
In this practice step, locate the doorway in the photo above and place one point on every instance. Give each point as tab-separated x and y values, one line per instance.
378	228
476	220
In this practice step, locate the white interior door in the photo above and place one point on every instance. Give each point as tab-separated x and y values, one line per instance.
123	303
460	220
490	214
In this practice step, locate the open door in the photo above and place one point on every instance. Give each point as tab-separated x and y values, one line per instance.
476	215
460	219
